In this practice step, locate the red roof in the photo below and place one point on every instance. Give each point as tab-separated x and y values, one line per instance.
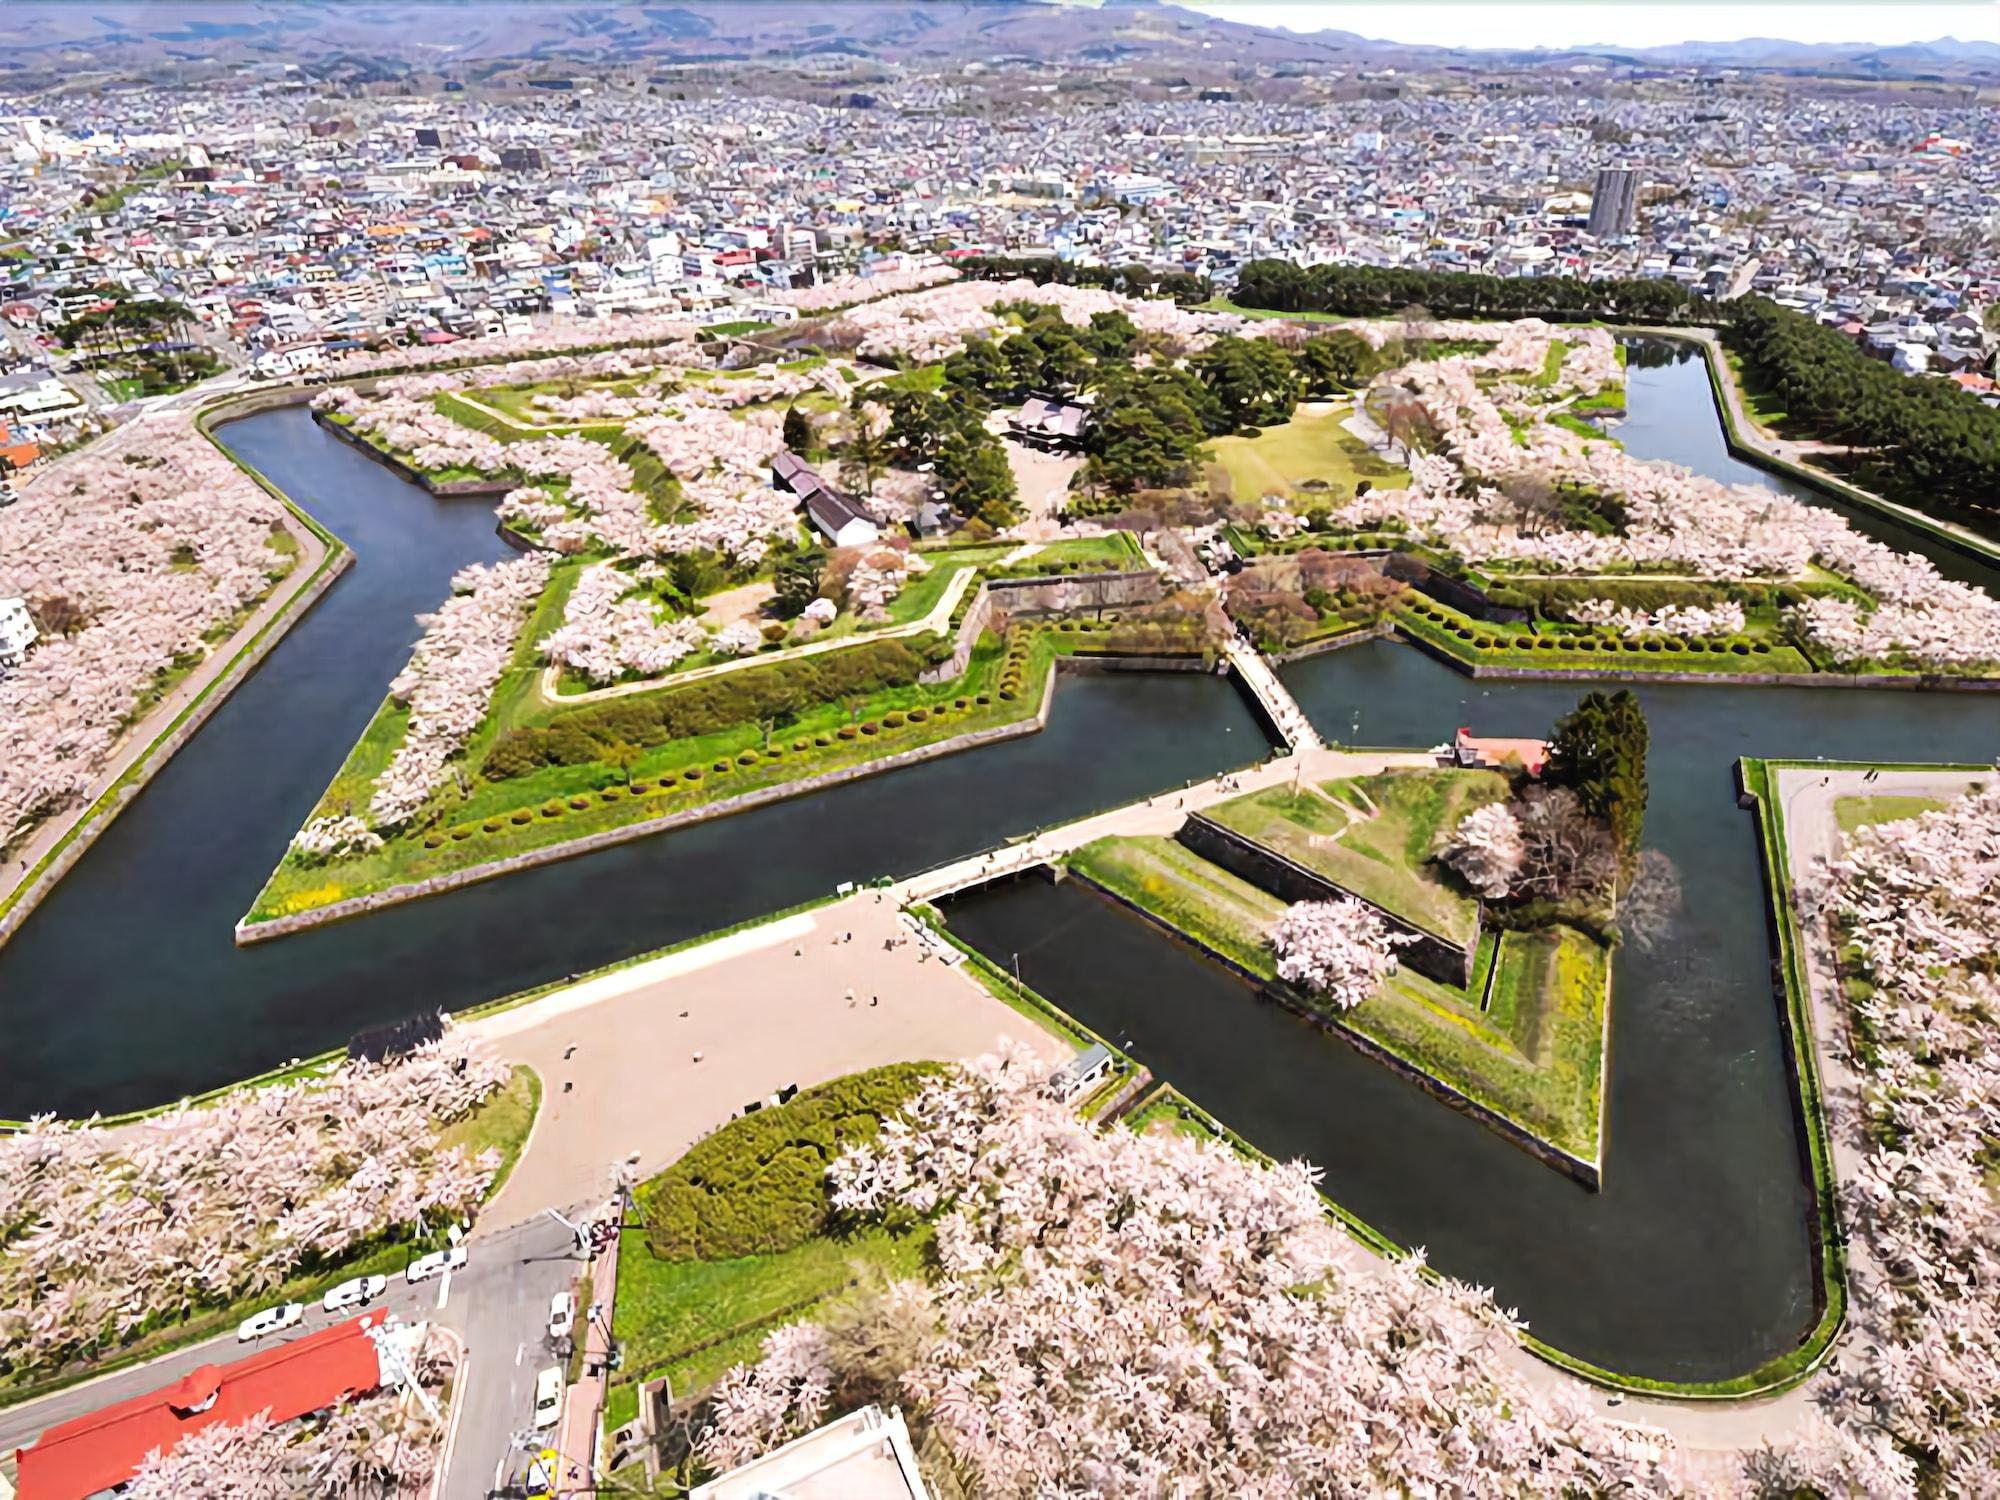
1487	750
92	1453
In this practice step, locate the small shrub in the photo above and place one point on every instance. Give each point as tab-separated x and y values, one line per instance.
1650	644
611	793
461	832
871	727
847	731
1674	643
433	841
1545	643
552	809
961	704
984	699
806	744
822	740
491	825
578	804
523	816
1762	648
918	715
692	773
747	758
893	719
641	785
1741	648
1006	695
720	767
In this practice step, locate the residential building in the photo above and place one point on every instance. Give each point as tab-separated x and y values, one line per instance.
1613	202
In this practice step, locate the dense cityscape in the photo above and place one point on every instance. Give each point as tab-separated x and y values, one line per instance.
908	752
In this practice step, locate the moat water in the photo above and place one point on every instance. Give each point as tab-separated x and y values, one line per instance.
126	988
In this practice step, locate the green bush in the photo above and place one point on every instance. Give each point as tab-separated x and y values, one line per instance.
692	773
805	744
461	832
578	737
523	816
433	841
758	1185
984	699
918	715
822	740
893	719
491	825
579	803
848	731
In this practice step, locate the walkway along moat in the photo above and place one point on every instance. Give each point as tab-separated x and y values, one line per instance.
126	988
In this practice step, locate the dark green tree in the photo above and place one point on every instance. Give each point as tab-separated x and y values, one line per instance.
1252	379
1599	752
795	583
798	431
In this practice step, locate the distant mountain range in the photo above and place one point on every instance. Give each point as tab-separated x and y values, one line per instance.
475	39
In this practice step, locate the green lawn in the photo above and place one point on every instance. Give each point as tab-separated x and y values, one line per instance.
1312	446
549	797
1534	1056
1374	836
1858	812
1222	911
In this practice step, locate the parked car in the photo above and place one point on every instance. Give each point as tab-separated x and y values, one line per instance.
562	1315
355	1292
424	1267
548	1396
270	1320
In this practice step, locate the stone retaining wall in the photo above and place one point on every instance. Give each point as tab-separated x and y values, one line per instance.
1033	596
977	618
257	932
1588	1173
1069	592
1432	956
1336	643
447	489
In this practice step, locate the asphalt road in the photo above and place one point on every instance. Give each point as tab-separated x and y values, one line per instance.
498	1305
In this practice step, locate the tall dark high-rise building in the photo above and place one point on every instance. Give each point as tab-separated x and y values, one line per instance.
1613	202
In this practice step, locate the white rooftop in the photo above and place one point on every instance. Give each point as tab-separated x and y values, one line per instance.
865	1455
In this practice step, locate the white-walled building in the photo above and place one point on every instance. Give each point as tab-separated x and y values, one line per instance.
17	632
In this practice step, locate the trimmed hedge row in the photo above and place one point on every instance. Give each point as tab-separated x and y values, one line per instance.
758	1185
580	736
1485	637
667	783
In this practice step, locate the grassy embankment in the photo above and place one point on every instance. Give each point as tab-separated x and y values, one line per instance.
1524	1038
502	816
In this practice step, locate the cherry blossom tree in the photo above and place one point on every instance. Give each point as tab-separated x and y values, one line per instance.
1485	849
465	648
150	539
1337	951
103	1232
1116	1314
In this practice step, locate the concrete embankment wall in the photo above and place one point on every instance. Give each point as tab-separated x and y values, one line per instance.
1432	956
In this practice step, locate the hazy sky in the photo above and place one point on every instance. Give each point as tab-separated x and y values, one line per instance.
1631	23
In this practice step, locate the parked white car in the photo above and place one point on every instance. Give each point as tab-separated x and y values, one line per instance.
562	1315
355	1292
548	1396
270	1320
424	1267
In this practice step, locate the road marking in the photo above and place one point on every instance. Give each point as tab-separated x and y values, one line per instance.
444	1289
519	1350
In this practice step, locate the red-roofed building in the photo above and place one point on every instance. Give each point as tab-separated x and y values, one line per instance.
93	1453
1500	754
